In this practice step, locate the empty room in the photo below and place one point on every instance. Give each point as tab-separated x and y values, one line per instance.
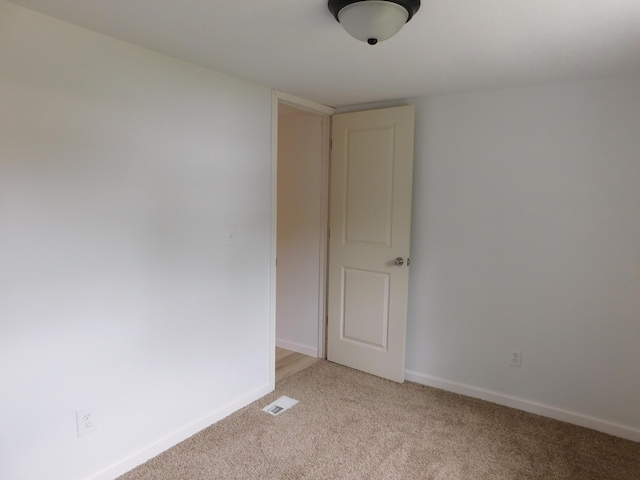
435	204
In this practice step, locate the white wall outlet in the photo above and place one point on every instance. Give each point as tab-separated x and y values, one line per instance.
86	421
230	235
516	357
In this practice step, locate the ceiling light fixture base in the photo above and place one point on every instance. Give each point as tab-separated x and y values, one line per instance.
373	21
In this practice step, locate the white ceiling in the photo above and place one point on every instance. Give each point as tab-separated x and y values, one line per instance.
297	47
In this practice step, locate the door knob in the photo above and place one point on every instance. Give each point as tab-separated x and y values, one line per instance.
398	262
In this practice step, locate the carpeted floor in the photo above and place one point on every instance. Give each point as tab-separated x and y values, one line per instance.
351	425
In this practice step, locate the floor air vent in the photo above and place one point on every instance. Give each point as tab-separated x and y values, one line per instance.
280	406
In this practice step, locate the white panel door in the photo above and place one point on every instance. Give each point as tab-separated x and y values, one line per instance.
370	225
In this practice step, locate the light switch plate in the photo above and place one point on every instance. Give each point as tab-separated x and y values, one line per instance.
230	235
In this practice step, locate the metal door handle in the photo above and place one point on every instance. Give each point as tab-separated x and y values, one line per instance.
398	262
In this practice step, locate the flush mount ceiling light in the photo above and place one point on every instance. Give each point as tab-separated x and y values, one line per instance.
373	21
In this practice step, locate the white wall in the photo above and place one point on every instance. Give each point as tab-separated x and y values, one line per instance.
300	226
119	169
526	233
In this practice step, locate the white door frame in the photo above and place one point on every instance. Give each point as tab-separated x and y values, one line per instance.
277	98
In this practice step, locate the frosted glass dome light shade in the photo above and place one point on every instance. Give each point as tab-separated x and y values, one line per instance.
373	21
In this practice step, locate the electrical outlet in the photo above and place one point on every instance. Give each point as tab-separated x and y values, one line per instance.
86	421
516	357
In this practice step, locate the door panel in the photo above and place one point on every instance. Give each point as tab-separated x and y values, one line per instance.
370	224
368	169
365	317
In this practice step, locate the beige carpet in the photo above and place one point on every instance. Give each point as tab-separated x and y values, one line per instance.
350	425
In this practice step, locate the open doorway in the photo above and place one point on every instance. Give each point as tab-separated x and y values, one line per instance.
302	225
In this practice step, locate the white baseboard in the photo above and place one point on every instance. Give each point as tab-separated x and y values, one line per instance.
141	456
297	347
526	405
